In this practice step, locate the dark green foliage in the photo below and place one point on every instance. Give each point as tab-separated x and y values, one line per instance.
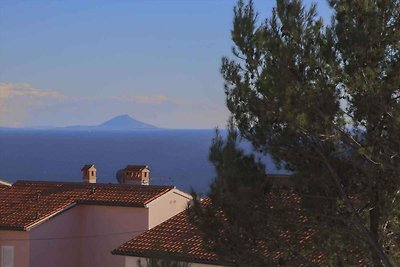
324	101
119	175
249	226
231	193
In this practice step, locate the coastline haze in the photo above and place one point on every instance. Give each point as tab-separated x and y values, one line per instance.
78	63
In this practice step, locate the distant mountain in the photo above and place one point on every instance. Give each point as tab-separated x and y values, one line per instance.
118	123
124	122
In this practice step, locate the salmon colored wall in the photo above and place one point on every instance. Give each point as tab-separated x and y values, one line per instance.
56	242
85	235
107	228
20	241
133	262
167	206
80	236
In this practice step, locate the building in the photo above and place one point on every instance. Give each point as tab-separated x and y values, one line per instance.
176	238
179	240
67	224
89	173
136	174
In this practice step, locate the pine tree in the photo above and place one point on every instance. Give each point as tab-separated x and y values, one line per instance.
324	102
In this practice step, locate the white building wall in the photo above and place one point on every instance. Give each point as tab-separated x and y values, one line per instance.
167	206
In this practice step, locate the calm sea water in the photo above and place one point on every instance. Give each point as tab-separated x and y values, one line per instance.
175	157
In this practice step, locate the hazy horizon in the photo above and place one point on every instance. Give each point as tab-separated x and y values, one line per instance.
80	63
40	127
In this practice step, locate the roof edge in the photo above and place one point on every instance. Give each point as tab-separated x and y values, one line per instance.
181	193
171	256
110	203
174	190
18	182
48	217
12	228
146	203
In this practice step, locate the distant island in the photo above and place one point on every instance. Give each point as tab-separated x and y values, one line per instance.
118	123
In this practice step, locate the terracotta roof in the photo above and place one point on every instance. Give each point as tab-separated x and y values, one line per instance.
181	240
176	236
26	203
87	166
136	167
178	239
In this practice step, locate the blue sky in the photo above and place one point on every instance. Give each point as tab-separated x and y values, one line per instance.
83	62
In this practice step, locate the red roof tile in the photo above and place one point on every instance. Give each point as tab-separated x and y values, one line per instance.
87	167
28	202
136	167
176	236
180	240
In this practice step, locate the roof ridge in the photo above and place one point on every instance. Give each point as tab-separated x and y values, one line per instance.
39	182
35	200
160	194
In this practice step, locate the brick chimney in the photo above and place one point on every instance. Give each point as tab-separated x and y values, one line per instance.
136	174
89	173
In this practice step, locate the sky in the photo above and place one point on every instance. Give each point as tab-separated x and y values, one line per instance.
83	62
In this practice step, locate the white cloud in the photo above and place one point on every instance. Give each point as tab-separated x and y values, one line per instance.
22	104
18	99
9	90
150	100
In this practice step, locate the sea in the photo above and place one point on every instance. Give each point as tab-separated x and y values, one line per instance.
175	157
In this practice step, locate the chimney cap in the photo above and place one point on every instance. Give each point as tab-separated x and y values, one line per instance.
136	167
87	167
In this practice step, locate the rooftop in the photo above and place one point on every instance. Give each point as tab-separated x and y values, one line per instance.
181	240
27	203
136	167
178	239
87	166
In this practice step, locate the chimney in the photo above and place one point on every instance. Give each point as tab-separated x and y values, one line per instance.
136	175
89	174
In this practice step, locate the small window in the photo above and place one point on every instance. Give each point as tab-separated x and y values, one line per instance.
145	175
92	173
7	256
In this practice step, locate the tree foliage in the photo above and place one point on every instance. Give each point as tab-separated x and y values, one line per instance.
324	102
247	217
119	176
